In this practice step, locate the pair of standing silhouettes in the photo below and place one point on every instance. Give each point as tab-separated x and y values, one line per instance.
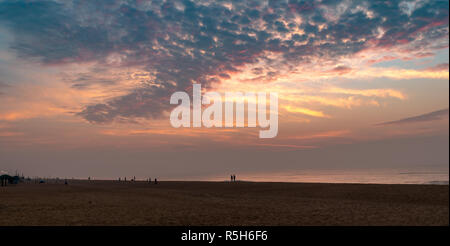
233	177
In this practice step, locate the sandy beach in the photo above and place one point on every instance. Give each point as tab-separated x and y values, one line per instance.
222	203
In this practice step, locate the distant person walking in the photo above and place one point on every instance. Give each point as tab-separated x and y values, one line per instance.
234	177
156	181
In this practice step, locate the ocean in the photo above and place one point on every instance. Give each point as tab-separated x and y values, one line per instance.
365	176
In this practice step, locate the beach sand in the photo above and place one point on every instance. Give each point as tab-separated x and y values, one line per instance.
222	203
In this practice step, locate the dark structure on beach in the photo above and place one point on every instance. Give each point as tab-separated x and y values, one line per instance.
6	179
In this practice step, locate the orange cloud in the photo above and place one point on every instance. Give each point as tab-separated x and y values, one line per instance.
11	134
383	93
310	112
326	134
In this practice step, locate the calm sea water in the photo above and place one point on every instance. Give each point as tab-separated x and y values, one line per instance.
375	176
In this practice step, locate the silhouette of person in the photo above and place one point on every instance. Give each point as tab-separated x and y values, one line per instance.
231	178
234	177
156	181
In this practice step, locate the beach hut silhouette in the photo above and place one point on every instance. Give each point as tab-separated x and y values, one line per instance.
6	179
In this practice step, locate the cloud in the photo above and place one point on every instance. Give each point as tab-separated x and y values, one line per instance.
438	68
10	134
305	111
341	70
383	93
181	42
2	86
436	115
326	134
133	105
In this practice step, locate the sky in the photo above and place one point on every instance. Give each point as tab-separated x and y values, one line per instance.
85	85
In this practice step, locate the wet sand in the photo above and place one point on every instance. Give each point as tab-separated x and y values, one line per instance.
222	203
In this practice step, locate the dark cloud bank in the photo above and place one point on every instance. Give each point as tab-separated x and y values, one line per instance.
181	42
436	115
